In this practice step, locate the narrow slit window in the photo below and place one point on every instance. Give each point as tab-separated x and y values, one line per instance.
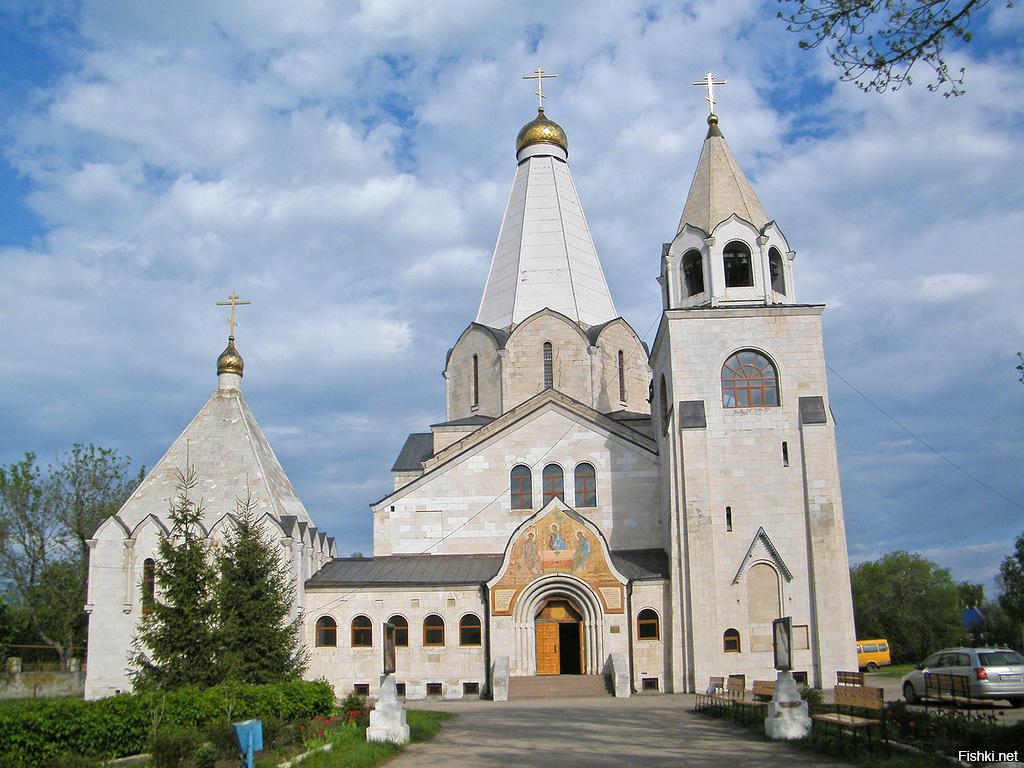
785	453
728	518
476	381
622	377
549	366
148	585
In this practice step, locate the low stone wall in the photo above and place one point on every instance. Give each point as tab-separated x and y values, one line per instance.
18	684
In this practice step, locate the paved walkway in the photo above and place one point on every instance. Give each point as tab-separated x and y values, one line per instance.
652	731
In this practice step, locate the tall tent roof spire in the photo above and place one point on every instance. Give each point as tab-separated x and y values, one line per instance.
719	188
544	257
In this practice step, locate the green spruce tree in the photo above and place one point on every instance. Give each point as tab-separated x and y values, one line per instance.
178	643
261	643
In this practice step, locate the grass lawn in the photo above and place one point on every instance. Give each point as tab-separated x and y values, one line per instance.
894	670
350	749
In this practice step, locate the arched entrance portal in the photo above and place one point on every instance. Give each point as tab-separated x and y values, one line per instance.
559	633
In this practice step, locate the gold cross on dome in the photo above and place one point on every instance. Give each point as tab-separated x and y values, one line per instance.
710	82
234	302
540	74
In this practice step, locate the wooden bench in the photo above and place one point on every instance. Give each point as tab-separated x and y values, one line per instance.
716	685
950	689
850	678
761	696
735	691
859	713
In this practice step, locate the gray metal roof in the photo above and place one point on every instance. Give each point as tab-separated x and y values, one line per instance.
397	570
443	570
419	447
641	564
469	421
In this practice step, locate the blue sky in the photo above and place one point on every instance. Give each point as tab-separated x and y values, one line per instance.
344	166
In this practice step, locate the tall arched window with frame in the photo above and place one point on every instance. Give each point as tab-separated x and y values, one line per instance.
749	380
554	483
521	487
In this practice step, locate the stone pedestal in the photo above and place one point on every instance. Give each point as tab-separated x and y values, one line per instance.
387	720
788	717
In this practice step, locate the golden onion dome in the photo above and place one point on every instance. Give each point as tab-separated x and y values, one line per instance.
230	361
542	131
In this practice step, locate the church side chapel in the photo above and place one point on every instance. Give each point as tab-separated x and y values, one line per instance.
587	507
232	458
557	527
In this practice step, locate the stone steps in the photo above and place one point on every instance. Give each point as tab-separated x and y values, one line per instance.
557	687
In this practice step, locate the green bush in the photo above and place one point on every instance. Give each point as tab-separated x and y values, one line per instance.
33	731
174	747
206	757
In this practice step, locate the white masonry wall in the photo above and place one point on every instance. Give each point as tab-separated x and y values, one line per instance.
737	462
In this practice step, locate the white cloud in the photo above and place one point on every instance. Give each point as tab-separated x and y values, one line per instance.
345	166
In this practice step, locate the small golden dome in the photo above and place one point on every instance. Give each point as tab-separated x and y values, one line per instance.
230	361
542	131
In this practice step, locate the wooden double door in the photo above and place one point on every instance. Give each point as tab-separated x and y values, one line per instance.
559	633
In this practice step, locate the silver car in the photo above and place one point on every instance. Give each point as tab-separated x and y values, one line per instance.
994	673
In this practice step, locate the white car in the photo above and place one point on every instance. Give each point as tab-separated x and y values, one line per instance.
994	673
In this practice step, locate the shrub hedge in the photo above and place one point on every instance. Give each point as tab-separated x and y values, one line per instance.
33	731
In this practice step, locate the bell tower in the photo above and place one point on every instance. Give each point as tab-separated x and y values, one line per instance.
746	441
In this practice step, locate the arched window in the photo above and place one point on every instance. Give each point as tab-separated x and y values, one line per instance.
362	632
586	485
476	381
749	381
739	271
554	483
326	632
433	630
693	273
647	627
148	584
469	630
776	267
549	366
521	483
622	377
401	631
731	641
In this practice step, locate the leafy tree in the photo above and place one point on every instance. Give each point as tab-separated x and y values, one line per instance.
261	643
994	627
177	643
46	518
1011	583
971	595
908	600
877	42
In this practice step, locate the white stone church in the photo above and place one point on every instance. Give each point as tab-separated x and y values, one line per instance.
587	506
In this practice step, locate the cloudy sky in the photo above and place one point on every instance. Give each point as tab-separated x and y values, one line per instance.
345	165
